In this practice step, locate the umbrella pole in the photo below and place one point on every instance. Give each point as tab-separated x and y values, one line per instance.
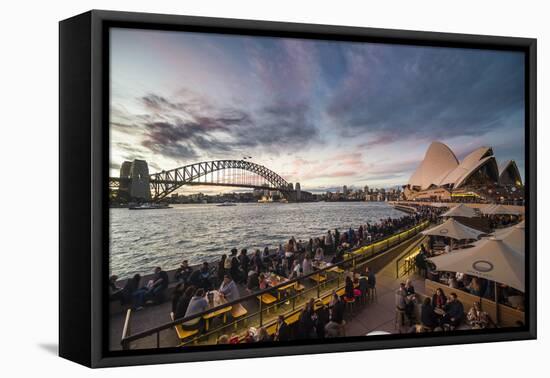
496	302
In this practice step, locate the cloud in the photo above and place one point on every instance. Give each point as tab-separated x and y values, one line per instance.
435	93
187	126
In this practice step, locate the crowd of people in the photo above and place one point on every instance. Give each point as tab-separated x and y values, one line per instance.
325	321
293	259
439	312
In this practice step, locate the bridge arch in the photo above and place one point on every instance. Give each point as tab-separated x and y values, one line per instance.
165	182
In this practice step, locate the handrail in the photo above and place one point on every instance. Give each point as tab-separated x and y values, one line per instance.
412	251
126	328
353	257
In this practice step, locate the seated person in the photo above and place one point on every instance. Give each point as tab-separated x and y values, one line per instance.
349	292
262	282
427	316
439	300
201	278
183	272
197	304
115	292
158	288
319	254
454	311
476	317
229	289
363	285
253	282
183	302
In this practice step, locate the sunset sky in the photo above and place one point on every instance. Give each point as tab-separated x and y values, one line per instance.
323	113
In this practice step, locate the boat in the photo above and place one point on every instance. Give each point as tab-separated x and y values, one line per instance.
149	206
265	200
227	204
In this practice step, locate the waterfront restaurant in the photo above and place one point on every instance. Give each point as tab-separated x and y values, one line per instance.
380	279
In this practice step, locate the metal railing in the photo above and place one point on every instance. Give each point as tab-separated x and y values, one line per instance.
406	262
286	304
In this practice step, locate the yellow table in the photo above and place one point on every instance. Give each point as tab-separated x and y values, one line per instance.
218	301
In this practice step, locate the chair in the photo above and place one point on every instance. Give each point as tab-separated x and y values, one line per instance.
350	302
238	311
184	334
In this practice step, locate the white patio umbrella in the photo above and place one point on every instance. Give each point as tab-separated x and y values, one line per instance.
489	258
460	211
453	229
513	236
499	210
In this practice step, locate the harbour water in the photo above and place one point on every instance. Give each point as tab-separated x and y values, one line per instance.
141	240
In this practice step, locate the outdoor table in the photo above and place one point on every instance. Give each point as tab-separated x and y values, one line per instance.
274	279
320	264
218	300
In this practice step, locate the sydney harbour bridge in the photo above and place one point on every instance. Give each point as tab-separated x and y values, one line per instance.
136	183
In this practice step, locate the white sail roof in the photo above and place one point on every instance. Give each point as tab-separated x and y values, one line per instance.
439	160
440	167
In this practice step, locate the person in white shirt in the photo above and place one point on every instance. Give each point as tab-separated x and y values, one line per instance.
229	289
319	255
307	266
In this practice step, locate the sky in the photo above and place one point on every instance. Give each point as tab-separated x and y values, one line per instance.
322	113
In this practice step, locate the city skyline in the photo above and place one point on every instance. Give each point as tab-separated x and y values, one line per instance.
322	113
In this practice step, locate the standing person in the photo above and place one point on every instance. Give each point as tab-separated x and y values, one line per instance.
229	289
283	331
221	268
336	238
296	270
265	255
257	261
244	260
329	242
306	325
360	233
337	310
321	319
402	302
371	282
234	271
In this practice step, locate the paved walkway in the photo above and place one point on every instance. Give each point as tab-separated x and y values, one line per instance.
379	314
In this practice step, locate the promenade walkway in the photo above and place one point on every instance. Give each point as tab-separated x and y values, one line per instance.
379	314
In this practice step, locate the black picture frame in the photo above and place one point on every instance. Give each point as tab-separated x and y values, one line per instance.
83	167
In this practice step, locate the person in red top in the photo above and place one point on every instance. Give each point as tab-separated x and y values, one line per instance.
439	300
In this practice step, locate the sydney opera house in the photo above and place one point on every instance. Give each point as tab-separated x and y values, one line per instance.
478	177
